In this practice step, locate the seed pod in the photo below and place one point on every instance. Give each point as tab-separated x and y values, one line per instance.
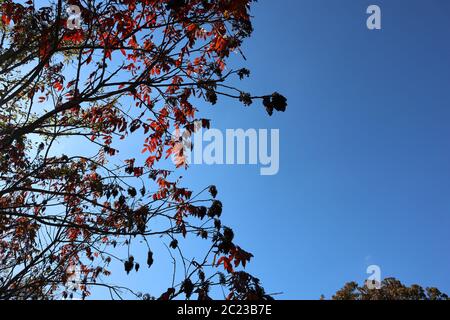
174	244
150	258
213	191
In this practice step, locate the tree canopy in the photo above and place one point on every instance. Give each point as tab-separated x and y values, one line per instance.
133	68
390	289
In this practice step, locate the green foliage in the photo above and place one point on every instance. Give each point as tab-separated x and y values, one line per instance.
391	289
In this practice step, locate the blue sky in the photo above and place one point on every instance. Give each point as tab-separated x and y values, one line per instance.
364	167
365	147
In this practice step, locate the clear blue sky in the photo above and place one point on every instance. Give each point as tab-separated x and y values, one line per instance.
365	147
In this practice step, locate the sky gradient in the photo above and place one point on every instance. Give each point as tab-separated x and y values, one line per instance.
364	166
364	147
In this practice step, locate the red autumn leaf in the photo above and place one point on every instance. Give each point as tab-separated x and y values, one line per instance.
58	86
226	264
